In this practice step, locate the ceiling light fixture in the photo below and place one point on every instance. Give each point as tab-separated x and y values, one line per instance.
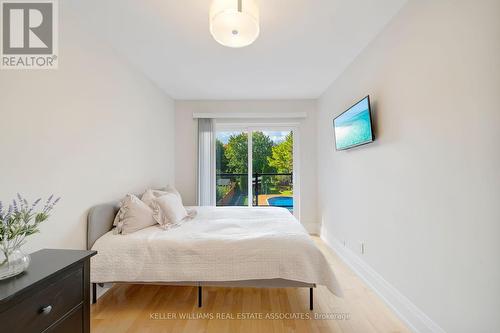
234	23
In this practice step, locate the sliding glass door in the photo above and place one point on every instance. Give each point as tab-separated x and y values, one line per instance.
256	163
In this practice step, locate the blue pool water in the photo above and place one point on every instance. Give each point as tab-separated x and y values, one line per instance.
286	202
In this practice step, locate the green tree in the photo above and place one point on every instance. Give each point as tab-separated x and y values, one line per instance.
262	147
282	155
220	151
236	153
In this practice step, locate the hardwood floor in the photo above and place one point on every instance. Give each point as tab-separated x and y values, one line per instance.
150	308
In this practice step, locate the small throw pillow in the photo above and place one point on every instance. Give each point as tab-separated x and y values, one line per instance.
168	210
171	189
150	194
133	215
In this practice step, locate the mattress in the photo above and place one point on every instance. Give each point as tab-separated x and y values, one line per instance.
218	244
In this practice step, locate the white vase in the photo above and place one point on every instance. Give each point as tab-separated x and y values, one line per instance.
12	263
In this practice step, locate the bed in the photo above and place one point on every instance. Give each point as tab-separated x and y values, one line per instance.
220	246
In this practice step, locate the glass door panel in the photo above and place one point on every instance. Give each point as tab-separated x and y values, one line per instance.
272	168
231	168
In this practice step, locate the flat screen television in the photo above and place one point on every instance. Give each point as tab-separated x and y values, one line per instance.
353	127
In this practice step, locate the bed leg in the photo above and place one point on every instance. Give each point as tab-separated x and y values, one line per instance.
94	293
311	299
199	296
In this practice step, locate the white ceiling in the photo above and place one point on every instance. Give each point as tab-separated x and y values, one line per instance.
303	47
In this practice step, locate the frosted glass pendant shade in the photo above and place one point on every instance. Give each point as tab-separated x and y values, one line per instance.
234	23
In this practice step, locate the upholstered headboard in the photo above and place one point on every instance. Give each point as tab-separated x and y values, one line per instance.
100	221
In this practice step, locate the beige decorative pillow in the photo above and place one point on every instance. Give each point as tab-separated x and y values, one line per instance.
171	189
150	194
168	210
133	215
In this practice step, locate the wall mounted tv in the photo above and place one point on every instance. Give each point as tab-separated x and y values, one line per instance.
353	127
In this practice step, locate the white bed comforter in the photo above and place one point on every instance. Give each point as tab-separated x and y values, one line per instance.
219	244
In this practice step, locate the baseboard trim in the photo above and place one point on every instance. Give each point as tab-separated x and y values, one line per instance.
416	320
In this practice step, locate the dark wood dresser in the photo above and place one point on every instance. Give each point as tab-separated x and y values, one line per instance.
53	295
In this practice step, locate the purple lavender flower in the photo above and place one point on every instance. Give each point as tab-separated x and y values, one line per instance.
9	213
48	203
14	204
22	218
19	202
34	205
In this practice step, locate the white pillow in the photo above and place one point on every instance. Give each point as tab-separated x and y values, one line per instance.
150	194
133	215
168	210
171	189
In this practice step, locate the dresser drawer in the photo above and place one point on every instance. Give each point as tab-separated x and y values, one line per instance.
70	324
64	293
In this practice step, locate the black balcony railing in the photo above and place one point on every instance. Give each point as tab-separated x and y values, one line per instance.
232	189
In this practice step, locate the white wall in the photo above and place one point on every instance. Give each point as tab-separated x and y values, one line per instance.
425	197
186	151
89	132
